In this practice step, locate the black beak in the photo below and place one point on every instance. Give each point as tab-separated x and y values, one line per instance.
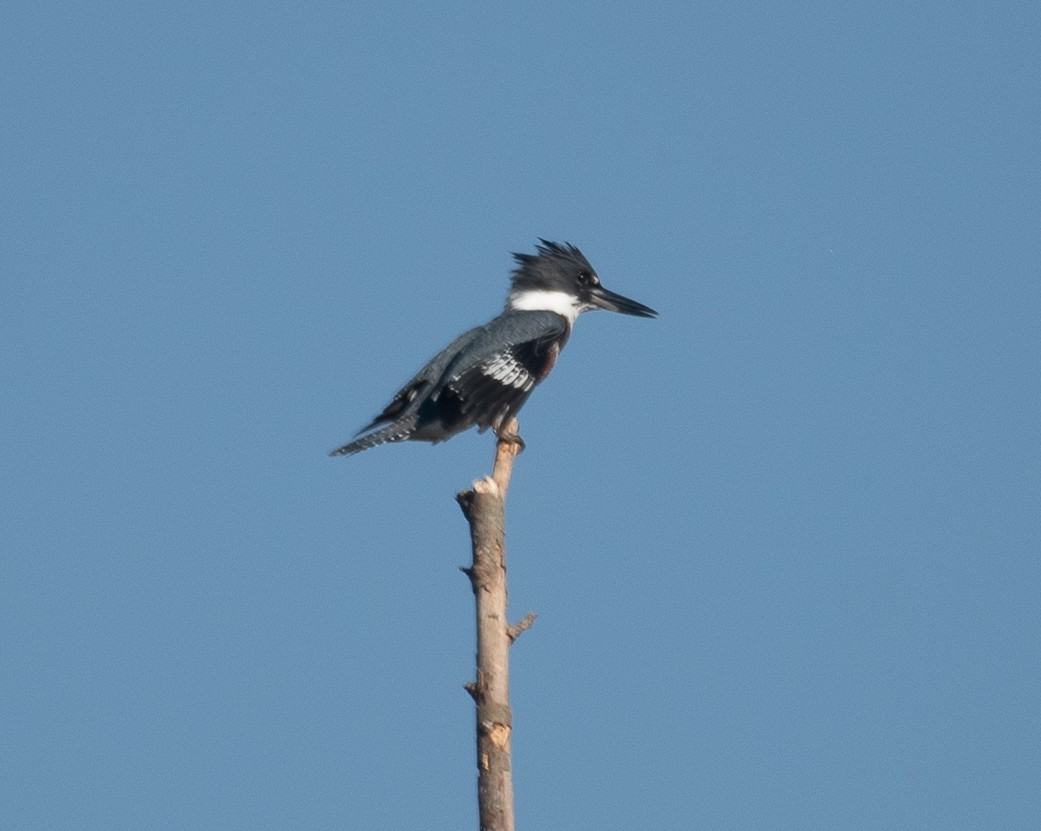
603	298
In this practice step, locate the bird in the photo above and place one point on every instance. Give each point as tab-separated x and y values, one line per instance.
484	376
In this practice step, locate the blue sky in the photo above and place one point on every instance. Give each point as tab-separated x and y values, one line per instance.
783	541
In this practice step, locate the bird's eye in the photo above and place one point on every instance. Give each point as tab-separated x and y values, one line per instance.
587	278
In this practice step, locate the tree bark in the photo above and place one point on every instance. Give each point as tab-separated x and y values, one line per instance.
484	509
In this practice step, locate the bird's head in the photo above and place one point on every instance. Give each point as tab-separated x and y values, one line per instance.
558	278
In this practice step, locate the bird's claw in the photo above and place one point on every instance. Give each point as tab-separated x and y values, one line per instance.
512	438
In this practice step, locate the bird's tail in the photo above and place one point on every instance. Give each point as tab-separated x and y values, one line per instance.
397	431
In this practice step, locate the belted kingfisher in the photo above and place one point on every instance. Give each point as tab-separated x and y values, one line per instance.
485	375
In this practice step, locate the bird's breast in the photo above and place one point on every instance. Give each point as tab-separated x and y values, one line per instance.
551	354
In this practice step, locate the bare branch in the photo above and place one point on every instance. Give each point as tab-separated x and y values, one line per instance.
484	509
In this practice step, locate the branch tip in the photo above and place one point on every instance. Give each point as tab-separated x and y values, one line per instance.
486	485
513	632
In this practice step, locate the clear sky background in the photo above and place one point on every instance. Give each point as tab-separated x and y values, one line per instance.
783	541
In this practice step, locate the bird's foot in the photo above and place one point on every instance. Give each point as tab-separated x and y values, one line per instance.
512	438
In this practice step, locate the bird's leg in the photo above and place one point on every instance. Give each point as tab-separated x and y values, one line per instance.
512	438
508	433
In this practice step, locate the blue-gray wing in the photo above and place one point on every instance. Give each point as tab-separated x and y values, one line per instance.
489	381
420	385
484	375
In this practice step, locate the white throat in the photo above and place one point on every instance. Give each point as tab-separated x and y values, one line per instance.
540	300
